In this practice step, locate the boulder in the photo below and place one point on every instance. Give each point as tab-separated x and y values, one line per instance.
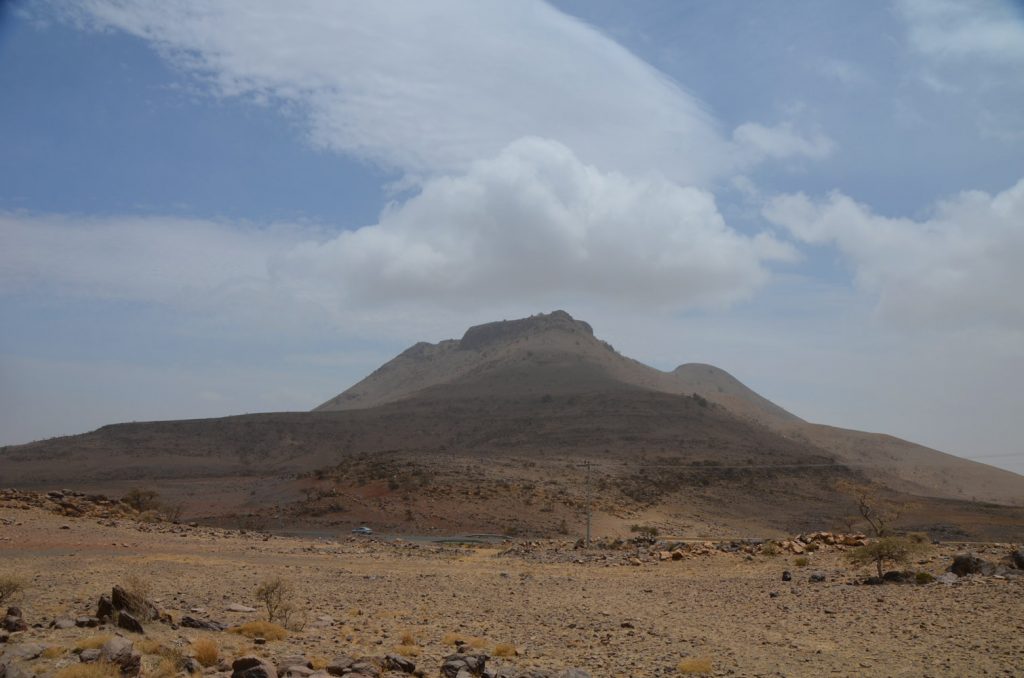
817	577
252	667
192	665
947	578
287	662
1017	558
396	662
339	665
129	623
104	607
574	673
787	575
193	623
472	664
63	623
13	624
363	668
237	607
121	651
89	656
135	604
86	622
968	563
25	651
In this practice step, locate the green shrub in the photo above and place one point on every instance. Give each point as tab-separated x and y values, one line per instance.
923	578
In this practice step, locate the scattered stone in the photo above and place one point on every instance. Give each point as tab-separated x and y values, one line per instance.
574	673
296	671
787	575
192	665
237	607
129	623
363	668
25	651
947	578
252	667
63	623
136	605
104	607
87	622
817	577
1017	558
13	624
396	662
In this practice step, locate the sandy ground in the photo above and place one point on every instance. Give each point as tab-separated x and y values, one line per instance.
606	617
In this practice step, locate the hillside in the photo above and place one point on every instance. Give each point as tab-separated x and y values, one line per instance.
509	430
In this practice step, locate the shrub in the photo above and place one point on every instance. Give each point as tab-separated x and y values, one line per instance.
452	638
802	561
770	548
53	652
206	651
694	665
166	668
644	530
274	594
261	629
9	587
149	646
896	550
407	637
924	578
142	500
94	670
504	650
408	650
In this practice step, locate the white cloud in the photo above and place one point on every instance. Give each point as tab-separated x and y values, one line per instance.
530	224
844	72
428	88
756	142
959	29
536	223
963	264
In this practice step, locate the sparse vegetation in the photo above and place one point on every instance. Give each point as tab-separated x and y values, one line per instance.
206	651
895	550
644	530
504	650
165	668
142	500
10	586
53	652
801	561
274	594
924	578
93	642
408	650
694	665
94	670
260	629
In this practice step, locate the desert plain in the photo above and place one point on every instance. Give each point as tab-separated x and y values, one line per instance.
547	606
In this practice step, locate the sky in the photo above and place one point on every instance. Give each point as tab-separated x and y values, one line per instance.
212	208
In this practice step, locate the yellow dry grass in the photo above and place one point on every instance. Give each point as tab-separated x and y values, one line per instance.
206	651
93	642
408	637
451	638
53	652
95	670
260	629
148	646
408	650
167	668
694	665
504	650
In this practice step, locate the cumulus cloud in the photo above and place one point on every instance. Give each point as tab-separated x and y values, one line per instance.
428	88
533	223
756	142
962	264
954	29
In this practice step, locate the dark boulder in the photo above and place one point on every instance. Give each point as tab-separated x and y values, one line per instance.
252	667
129	623
396	662
193	623
968	563
474	664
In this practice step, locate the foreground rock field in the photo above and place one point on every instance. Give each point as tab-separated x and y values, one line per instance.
541	607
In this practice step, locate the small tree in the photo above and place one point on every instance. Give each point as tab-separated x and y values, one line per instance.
9	586
896	550
274	594
880	514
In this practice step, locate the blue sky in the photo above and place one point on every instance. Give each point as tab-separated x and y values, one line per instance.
214	208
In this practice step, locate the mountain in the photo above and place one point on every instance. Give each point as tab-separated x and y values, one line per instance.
515	428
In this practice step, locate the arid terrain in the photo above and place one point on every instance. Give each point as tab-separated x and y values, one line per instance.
547	606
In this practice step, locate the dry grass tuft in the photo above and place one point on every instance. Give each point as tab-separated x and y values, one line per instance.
53	652
408	637
260	629
477	643
167	668
319	662
694	665
136	585
801	561
149	646
206	651
504	650
93	642
94	670
9	587
408	650
452	638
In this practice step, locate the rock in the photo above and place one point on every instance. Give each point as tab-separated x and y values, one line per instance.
89	656
252	667
947	578
87	622
787	575
104	608
636	562
259	641
4	636
816	577
193	623
396	662
236	607
13	624
289	661
968	563
338	665
874	581
471	664
1017	558
139	607
63	623
896	577
13	671
121	651
574	673
129	623
363	668
192	665
24	651
296	671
